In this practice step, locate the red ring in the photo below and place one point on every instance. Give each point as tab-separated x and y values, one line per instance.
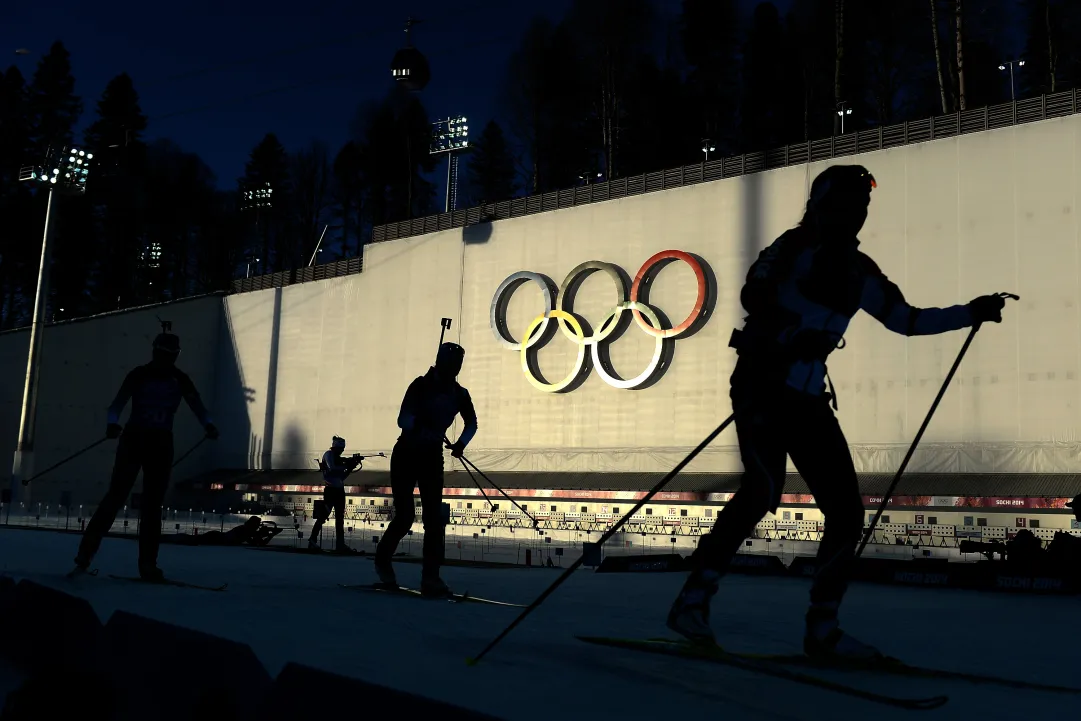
699	274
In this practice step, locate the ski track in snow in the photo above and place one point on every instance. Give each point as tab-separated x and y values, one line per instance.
289	608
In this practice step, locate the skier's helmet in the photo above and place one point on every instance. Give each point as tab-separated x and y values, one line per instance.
166	348
449	360
841	189
337	444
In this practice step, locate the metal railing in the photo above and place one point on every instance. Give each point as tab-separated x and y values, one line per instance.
345	266
863	141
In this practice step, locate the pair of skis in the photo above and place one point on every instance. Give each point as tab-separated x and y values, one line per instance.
402	590
779	666
77	572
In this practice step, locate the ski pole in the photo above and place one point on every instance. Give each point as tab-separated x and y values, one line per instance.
477	483
466	463
919	434
607	534
190	451
95	444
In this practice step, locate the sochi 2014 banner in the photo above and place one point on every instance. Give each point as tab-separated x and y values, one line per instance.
692	497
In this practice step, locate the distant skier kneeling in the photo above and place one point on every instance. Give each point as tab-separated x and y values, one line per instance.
430	405
800	295
155	391
335	469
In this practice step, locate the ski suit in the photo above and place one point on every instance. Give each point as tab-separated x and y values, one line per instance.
800	296
155	391
335	469
428	410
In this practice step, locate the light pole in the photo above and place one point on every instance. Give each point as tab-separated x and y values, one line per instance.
62	171
256	198
708	147
842	111
1010	63
450	136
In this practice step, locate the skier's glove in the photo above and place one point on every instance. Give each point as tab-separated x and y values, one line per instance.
456	449
212	431
113	430
987	308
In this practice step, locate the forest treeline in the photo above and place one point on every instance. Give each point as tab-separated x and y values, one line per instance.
615	88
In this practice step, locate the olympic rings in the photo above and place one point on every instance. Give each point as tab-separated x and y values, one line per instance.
557	307
498	314
570	377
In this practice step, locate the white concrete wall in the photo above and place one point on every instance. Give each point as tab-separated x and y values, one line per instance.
951	220
83	363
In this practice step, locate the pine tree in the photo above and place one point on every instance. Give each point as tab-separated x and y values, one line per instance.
348	190
16	203
763	73
117	198
54	108
309	173
491	167
710	34
267	168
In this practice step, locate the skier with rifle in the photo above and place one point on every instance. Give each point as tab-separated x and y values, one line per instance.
431	403
335	469
155	391
800	295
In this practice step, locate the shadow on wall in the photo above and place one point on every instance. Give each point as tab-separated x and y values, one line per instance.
267	454
753	242
477	233
238	445
293	449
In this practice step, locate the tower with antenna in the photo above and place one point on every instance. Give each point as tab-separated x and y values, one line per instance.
409	67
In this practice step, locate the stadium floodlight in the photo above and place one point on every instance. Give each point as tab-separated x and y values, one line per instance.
708	147
842	111
59	174
258	197
1010	64
450	136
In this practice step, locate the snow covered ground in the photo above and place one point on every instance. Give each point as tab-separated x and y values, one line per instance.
289	608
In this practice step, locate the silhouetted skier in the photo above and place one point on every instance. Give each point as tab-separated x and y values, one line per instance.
800	295
335	469
155	391
430	405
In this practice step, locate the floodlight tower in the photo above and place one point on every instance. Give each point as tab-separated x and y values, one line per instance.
255	198
451	136
64	171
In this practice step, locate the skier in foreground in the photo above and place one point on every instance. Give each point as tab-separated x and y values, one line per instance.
430	405
800	295
155	391
335	469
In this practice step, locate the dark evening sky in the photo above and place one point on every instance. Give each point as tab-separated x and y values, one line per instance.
197	65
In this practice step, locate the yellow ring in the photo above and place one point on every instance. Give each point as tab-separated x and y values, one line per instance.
537	383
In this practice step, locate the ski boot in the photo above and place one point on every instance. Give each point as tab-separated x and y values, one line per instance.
435	587
689	615
825	640
385	571
82	566
151	574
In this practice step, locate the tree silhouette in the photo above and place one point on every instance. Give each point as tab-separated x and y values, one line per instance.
16	202
710	31
267	168
53	106
491	167
114	207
